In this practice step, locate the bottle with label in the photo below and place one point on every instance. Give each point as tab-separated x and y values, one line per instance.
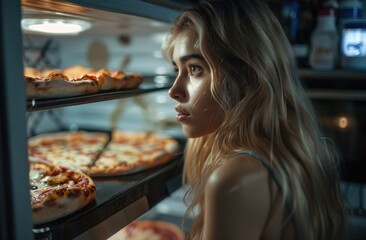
324	41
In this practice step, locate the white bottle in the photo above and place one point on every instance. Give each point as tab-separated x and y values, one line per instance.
324	41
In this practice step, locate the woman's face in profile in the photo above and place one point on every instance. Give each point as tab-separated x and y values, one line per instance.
197	111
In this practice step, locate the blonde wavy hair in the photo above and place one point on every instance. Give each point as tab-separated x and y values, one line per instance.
255	81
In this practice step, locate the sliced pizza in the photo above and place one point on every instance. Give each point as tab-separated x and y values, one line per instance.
75	150
133	152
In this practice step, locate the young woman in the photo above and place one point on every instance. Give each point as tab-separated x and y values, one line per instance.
256	162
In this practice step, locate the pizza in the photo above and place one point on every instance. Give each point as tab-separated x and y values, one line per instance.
58	85
62	164
97	155
76	71
111	80
133	152
32	72
75	81
74	150
132	80
149	230
57	191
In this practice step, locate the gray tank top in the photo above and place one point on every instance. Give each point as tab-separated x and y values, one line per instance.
275	177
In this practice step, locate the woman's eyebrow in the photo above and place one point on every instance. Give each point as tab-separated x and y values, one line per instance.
185	58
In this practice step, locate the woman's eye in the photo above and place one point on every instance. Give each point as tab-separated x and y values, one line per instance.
194	70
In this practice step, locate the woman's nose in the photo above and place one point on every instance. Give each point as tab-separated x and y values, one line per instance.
178	91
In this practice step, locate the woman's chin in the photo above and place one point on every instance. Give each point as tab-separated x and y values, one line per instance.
189	133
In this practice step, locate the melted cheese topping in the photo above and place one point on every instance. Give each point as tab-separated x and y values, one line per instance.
76	152
39	181
120	153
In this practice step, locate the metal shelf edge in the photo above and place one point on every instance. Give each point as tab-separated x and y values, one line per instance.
44	104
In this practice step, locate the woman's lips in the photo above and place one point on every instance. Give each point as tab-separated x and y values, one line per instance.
182	115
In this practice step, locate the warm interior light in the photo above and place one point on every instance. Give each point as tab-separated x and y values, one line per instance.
55	26
343	122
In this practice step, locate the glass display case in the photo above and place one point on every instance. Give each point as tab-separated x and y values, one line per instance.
119	200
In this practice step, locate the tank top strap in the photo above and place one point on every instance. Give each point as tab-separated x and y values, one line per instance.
279	184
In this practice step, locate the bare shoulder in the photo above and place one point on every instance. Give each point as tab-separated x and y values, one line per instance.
237	199
242	171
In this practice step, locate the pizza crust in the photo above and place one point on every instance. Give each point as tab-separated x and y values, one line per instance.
32	72
111	81
133	80
50	213
77	71
58	85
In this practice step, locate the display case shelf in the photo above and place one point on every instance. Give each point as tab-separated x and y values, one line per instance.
43	104
119	200
336	74
339	84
